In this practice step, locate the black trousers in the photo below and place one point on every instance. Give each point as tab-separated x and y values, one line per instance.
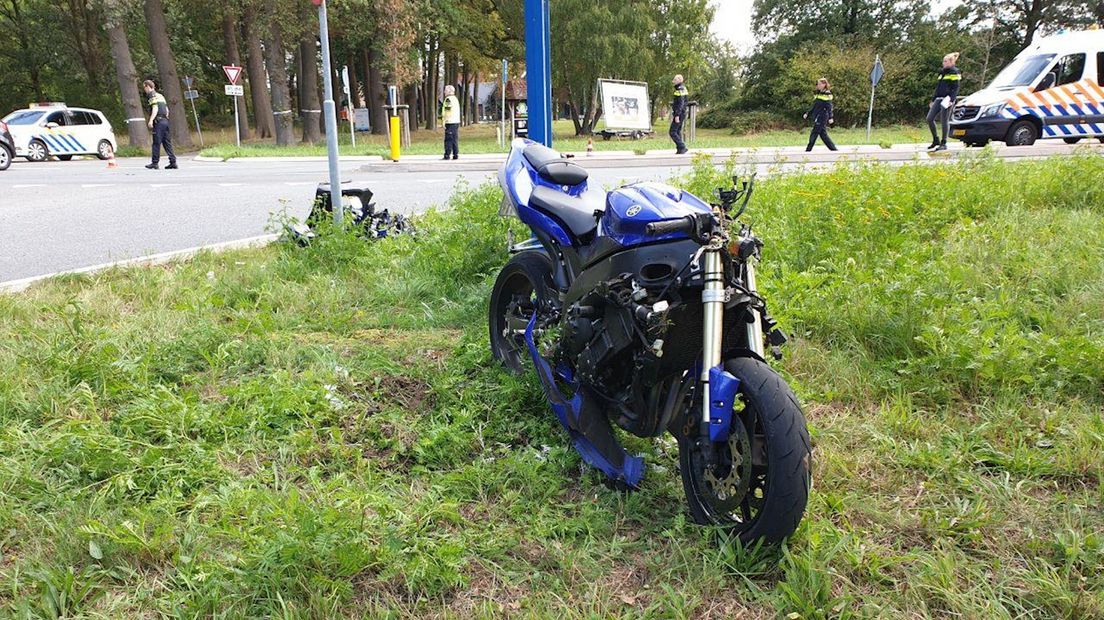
452	140
820	130
937	111
162	136
676	134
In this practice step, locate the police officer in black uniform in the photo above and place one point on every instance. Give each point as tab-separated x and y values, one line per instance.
159	125
946	93
823	115
678	113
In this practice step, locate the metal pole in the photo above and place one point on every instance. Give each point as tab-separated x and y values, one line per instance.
538	63
330	111
237	127
870	113
502	110
198	130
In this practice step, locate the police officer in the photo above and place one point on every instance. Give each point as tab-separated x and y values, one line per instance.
450	113
946	92
678	113
159	124
823	115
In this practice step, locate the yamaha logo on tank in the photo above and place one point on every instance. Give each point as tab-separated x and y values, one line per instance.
633	210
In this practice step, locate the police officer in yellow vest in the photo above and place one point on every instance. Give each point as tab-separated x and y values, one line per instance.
450	113
678	113
159	125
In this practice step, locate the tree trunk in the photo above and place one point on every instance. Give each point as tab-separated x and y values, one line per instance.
233	57
84	37
255	68
275	59
376	94
166	68
310	105
433	84
127	75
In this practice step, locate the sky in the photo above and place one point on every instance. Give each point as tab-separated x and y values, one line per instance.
732	21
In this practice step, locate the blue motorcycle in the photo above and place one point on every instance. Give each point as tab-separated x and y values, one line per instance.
638	308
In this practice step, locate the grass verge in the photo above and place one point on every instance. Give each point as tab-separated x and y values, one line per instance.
322	433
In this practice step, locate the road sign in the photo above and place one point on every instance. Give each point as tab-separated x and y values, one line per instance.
191	94
235	90
232	73
345	79
188	81
877	72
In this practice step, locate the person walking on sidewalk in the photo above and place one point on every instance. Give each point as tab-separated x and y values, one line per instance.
450	113
942	103
159	125
678	113
823	115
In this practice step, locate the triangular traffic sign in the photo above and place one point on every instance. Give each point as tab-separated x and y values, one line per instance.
232	73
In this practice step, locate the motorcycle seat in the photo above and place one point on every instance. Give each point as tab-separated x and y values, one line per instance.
579	214
552	167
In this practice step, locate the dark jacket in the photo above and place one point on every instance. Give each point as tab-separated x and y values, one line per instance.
947	86
822	109
678	104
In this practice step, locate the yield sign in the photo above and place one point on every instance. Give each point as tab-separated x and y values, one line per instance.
232	73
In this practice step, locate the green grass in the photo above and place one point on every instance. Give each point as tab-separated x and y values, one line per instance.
322	433
482	139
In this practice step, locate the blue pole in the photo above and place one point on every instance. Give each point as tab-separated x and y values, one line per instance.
538	66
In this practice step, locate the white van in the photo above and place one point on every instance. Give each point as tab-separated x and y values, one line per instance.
1053	89
55	129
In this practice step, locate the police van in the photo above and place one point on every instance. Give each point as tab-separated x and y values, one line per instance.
1052	89
54	129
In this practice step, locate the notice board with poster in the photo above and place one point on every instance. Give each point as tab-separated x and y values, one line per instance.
625	105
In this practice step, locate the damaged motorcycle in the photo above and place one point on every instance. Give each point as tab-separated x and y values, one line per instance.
638	309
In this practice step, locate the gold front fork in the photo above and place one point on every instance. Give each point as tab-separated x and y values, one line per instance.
755	328
713	300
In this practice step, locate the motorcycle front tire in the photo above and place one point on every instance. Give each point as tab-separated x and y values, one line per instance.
787	478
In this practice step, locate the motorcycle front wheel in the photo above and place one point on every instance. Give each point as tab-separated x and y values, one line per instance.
758	482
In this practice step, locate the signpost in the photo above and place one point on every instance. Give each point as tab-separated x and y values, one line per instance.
192	95
330	111
502	110
875	76
538	63
235	90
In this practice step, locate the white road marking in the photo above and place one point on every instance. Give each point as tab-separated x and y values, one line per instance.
230	184
159	185
27	185
300	183
87	185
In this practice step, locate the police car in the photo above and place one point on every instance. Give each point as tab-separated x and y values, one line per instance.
54	129
1052	89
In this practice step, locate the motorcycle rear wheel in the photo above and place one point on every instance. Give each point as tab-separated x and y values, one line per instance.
759	484
523	286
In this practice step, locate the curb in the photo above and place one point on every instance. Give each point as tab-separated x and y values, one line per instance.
16	286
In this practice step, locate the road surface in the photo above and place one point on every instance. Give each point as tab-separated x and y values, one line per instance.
60	216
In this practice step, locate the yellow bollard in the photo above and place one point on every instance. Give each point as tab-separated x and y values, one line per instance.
395	138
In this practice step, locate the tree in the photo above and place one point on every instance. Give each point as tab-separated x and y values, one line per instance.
263	119
125	72
166	67
276	61
233	57
310	108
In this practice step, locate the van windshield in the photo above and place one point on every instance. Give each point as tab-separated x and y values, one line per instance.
1022	72
23	117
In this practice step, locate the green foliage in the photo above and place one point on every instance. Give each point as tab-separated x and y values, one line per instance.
322	432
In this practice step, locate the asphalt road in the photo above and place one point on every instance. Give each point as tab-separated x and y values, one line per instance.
59	216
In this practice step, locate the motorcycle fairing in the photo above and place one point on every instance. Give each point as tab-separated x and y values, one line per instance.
722	395
631	208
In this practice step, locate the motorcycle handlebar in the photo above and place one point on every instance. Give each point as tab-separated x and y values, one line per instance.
683	224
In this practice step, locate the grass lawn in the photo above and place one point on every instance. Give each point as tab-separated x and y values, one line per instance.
323	433
483	139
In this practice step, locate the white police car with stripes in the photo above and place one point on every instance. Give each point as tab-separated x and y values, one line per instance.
54	129
1052	89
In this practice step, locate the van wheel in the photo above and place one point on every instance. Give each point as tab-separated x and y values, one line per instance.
37	151
5	157
1022	133
65	157
1071	140
103	150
